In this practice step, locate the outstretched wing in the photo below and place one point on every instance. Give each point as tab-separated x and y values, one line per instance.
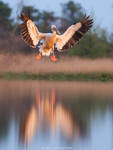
73	34
29	31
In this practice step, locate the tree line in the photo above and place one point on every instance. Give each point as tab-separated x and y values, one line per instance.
96	43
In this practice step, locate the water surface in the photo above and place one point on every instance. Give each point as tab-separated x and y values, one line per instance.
56	115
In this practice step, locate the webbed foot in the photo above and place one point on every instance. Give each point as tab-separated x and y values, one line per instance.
53	58
38	56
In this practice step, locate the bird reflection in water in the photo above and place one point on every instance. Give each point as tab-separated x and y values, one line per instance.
47	114
28	125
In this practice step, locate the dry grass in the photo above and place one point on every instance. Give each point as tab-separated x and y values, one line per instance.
29	63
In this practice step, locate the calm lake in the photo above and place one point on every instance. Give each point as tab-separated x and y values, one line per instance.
39	115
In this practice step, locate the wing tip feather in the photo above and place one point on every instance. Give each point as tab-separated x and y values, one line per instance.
87	23
24	16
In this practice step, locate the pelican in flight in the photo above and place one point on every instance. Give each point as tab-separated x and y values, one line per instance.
50	41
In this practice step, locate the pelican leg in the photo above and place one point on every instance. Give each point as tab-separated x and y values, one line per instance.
39	55
53	58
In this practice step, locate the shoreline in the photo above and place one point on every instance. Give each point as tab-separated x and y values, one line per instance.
93	76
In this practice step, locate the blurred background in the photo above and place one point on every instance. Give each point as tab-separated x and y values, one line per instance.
97	43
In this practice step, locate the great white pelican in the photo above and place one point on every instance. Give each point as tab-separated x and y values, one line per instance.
49	41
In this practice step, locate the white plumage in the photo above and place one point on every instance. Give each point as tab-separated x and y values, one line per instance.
71	36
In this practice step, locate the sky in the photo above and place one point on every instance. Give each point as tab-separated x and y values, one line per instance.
102	10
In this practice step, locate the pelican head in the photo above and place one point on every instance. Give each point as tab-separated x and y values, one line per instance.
54	29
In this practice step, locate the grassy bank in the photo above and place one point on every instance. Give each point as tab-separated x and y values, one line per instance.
73	65
58	76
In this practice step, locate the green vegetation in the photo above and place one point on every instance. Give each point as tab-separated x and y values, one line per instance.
5	13
93	46
105	77
97	43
